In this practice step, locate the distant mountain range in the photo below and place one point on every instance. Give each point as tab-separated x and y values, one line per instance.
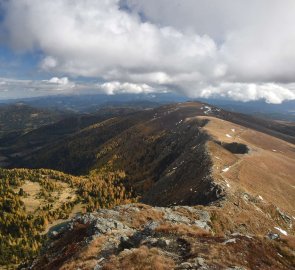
283	111
89	103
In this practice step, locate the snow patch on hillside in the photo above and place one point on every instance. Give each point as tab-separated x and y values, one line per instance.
281	231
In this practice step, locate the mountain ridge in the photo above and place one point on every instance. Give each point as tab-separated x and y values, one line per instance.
172	158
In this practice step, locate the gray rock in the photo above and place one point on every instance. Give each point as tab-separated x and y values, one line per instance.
174	217
104	225
284	216
99	264
152	241
273	236
204	217
235	268
163	242
200	261
151	226
108	213
185	265
233	240
203	225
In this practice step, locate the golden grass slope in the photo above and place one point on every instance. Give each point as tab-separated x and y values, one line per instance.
267	171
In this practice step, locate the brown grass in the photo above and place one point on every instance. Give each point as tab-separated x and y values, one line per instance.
141	258
285	247
244	217
182	229
68	246
289	240
31	189
189	214
266	171
147	213
87	258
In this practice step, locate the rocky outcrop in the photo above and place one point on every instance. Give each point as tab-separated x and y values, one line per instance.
137	236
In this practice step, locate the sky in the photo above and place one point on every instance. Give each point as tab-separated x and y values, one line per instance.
230	49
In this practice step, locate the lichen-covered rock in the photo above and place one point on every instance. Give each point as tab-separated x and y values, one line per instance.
138	236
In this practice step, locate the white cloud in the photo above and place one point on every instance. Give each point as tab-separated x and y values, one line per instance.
26	88
238	49
61	81
272	93
59	84
48	63
114	87
16	88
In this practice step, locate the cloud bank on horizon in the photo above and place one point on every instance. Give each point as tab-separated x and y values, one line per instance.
236	49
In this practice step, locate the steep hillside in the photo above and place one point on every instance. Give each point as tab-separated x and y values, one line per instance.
19	118
148	146
16	148
164	151
266	170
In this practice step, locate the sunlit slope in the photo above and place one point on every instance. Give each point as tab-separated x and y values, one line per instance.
267	170
163	152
